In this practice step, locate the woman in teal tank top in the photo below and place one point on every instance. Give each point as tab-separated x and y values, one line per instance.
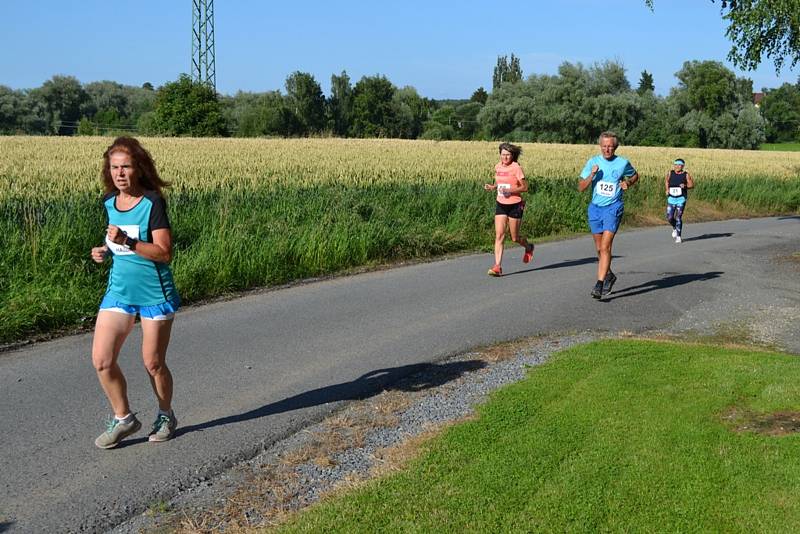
139	241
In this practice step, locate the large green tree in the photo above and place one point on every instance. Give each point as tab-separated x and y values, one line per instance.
234	108
479	95
374	114
106	96
573	106
781	109
340	104
708	87
410	112
439	126
465	120
645	83
12	109
506	71
655	124
34	114
305	99
714	108
185	107
63	99
269	114
759	29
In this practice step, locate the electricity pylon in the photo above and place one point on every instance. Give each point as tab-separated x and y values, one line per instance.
203	67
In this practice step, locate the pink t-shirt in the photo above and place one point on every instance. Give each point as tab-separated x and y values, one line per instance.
506	177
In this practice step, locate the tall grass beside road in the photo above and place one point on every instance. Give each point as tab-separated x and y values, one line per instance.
613	436
248	213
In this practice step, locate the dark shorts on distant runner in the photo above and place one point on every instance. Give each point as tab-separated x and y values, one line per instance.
512	211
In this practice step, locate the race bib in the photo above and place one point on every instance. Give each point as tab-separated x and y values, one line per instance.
120	250
676	191
503	190
606	189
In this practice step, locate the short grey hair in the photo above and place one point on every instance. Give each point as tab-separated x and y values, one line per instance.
608	135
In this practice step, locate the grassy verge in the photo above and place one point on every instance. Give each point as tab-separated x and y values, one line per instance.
788	147
230	239
610	436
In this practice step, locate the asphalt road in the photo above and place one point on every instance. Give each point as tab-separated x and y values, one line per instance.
253	370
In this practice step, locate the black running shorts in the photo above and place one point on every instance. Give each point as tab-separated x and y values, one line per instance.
512	211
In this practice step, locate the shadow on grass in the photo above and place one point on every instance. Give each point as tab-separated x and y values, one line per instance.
708	236
663	283
415	377
560	265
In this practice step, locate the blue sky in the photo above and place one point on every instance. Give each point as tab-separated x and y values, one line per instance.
446	49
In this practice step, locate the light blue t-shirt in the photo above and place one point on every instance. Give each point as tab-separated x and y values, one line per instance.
605	185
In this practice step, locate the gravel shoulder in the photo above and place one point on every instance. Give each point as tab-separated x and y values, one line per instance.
365	439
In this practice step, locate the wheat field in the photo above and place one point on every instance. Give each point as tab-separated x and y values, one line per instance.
44	167
258	212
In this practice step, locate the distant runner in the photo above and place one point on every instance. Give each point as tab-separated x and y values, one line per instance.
139	241
677	183
509	182
609	175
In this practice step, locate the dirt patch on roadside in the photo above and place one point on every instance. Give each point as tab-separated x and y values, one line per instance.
769	424
792	259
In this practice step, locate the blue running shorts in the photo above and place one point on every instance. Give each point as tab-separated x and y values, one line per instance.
605	218
159	312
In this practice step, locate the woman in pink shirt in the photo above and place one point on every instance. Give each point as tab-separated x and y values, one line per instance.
509	182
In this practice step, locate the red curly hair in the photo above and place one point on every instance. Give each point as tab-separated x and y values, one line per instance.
146	174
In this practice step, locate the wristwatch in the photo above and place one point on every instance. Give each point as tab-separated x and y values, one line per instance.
130	242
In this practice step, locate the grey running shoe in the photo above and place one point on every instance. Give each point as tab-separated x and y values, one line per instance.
608	283
116	431
674	233
163	428
597	289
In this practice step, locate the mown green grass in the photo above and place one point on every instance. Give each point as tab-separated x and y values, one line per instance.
788	147
231	239
621	436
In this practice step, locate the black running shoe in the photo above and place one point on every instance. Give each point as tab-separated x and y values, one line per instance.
608	283
597	290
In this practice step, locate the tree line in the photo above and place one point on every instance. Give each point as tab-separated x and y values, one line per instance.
710	107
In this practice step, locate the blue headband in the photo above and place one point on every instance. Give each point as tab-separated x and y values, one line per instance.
679	162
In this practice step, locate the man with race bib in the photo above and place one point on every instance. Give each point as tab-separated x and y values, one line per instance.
676	183
609	175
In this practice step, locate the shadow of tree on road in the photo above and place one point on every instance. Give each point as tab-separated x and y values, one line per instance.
708	236
415	377
5	525
663	283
